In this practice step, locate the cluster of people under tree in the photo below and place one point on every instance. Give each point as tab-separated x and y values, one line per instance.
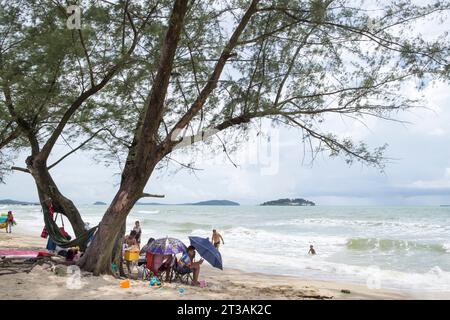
132	241
185	264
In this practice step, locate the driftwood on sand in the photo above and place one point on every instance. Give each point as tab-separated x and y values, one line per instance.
13	265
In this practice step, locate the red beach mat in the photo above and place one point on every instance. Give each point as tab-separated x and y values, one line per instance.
15	253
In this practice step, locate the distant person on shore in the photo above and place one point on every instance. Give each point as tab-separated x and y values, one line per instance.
9	222
216	238
311	250
137	228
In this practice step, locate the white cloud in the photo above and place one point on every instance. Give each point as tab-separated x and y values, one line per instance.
440	183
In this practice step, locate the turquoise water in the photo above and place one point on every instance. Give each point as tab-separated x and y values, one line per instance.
388	247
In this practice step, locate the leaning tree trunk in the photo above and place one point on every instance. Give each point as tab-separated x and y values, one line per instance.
117	253
143	156
47	189
101	252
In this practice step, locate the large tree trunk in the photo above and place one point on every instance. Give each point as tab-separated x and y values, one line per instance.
117	253
101	252
142	157
47	189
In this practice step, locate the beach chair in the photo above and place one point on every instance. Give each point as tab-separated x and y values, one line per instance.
153	268
181	274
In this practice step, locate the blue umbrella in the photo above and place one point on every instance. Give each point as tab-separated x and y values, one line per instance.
167	246
207	250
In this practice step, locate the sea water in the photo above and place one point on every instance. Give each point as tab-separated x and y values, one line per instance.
385	247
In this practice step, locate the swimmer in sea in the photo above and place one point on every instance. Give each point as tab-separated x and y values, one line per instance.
311	250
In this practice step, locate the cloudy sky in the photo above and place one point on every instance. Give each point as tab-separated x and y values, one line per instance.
418	174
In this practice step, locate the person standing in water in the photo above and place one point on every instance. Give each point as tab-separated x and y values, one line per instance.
216	238
137	228
311	250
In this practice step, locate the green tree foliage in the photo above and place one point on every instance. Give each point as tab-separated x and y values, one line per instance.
142	77
48	71
296	63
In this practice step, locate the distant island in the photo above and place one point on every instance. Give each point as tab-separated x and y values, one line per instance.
100	203
289	202
201	203
445	205
18	203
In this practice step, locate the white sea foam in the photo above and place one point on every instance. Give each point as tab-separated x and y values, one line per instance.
404	225
149	211
447	246
314	267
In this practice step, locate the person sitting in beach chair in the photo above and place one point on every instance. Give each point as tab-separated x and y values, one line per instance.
158	265
187	265
180	273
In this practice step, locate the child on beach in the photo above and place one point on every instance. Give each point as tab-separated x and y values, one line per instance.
10	222
311	250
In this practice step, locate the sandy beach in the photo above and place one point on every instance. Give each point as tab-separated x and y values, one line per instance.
42	283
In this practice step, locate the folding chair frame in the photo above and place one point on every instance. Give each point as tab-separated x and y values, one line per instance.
182	277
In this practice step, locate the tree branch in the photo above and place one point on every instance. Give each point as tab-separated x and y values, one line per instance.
76	149
90	92
214	78
145	136
11	137
150	195
20	169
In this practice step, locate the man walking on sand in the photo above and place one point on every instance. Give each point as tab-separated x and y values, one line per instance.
216	237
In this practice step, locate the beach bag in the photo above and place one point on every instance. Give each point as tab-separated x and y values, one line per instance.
64	233
44	233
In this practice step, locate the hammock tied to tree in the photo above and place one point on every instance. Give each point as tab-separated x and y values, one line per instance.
57	237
